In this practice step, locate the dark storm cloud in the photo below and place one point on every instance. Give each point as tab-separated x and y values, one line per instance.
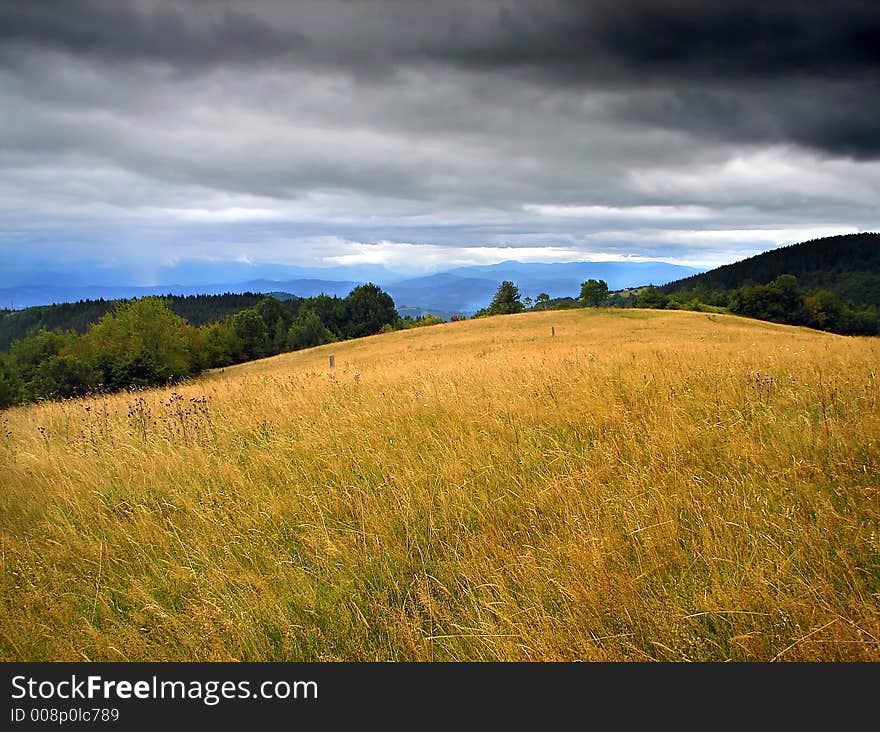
127	31
580	40
835	118
801	72
664	40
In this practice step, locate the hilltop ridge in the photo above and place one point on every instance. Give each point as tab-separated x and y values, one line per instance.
848	265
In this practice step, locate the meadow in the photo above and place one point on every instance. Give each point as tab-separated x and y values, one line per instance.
642	485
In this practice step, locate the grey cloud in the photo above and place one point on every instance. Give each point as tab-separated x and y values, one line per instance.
720	40
689	48
140	31
426	137
422	121
805	72
833	118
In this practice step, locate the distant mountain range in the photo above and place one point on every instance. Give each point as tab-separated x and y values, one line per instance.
847	265
22	297
460	290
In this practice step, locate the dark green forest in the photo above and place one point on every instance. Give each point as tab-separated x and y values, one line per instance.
148	342
830	284
197	310
848	266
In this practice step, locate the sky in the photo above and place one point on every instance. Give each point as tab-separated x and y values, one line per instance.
141	137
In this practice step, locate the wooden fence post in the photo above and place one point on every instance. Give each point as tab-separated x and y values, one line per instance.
552	330
332	361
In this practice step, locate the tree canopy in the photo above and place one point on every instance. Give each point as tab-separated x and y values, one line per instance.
594	292
369	308
308	331
142	343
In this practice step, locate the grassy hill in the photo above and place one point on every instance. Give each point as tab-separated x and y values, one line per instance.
847	265
642	485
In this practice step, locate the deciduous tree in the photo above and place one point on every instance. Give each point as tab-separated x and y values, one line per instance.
594	292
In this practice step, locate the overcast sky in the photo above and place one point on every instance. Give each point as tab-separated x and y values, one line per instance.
422	134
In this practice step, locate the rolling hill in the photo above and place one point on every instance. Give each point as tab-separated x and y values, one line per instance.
642	485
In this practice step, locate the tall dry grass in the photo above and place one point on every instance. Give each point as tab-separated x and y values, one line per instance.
643	485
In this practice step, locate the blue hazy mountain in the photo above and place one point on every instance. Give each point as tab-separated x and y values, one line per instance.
471	288
444	291
463	289
564	278
24	297
22	272
210	273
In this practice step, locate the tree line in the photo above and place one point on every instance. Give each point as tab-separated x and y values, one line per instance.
783	300
197	310
143	343
508	300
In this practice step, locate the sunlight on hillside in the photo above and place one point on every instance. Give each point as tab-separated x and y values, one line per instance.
640	485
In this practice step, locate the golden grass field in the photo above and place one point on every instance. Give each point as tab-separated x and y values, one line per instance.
644	485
